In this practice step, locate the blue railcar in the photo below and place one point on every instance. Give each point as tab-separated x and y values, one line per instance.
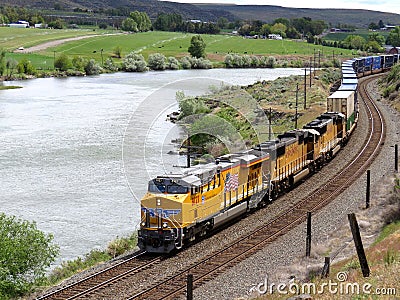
359	66
376	63
368	64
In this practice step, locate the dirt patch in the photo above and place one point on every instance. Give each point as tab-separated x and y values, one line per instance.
50	44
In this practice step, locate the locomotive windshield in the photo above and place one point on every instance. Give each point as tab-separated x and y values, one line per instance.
167	186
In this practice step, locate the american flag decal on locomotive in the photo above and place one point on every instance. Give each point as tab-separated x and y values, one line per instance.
231	182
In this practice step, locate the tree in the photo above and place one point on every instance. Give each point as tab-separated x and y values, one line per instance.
279	28
222	22
142	20
57	24
129	25
2	61
380	39
373	26
394	37
381	24
197	47
265	30
25	254
354	42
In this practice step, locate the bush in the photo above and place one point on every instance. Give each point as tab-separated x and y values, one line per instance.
195	63
109	65
185	63
172	63
157	61
79	63
62	62
134	63
117	51
25	67
25	254
271	62
92	68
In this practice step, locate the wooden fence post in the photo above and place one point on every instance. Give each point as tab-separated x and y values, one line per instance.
358	243
308	238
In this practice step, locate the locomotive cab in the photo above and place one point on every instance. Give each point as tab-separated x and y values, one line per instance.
161	214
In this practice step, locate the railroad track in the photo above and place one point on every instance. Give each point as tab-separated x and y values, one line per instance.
206	269
214	264
102	279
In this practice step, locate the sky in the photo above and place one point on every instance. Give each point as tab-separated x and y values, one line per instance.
392	6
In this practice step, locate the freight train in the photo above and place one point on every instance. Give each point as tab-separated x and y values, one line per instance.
180	208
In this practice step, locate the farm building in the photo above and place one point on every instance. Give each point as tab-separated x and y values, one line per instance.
19	24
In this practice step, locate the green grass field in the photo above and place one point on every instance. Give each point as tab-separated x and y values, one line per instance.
168	43
13	38
340	36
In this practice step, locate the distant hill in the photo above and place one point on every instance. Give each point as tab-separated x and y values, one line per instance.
151	7
211	12
358	17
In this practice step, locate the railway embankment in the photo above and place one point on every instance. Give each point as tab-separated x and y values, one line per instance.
285	262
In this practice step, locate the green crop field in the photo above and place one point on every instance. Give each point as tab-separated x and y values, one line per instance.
13	38
168	43
340	36
176	44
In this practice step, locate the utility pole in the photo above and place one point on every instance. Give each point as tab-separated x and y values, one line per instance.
188	152
305	87
269	125
297	97
310	70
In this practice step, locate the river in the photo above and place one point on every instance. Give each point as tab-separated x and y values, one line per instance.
62	140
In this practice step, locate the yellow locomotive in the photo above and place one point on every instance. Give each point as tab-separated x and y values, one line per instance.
178	208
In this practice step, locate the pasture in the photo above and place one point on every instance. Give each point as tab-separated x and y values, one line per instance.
168	43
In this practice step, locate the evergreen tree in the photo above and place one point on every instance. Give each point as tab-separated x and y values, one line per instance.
197	47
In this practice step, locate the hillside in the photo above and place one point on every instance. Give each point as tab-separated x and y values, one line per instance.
211	12
151	7
357	17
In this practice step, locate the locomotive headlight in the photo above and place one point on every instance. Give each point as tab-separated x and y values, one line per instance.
165	225
158	202
143	224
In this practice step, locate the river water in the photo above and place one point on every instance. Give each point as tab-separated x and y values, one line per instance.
72	149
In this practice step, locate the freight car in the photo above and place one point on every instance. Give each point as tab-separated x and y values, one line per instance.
179	208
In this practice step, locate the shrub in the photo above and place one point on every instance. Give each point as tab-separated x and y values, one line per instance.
25	67
109	65
157	61
172	63
195	63
271	62
117	51
229	61
134	63
185	63
79	63
62	62
92	68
